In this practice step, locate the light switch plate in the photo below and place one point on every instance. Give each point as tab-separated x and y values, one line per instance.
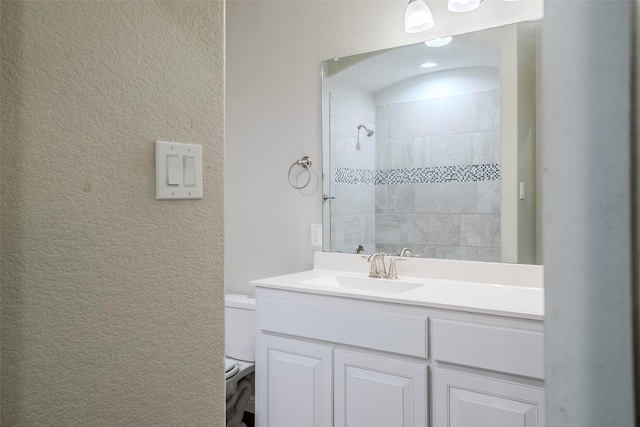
164	191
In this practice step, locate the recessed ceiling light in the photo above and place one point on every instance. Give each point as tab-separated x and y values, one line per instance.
439	42
429	64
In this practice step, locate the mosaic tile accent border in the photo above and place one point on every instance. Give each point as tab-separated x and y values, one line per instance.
355	176
462	173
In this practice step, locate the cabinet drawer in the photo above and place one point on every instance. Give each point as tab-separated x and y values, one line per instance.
496	348
357	323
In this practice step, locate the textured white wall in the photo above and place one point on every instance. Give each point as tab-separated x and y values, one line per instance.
112	302
585	128
273	114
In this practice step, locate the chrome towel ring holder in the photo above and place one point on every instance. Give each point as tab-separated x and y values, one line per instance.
305	162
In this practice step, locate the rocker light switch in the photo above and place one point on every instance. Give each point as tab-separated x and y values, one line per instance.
178	171
189	171
173	170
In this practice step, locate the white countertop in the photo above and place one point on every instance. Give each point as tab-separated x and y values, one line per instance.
504	300
469	296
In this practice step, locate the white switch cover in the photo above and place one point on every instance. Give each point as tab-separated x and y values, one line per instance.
521	190
178	171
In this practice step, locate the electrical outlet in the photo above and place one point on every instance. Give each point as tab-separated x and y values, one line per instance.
316	234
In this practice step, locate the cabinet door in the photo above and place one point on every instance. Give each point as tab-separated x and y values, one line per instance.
462	400
373	391
294	383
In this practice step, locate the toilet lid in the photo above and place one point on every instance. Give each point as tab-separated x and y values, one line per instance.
230	368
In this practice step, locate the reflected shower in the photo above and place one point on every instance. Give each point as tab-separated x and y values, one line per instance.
369	132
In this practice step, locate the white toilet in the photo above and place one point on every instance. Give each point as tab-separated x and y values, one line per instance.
240	354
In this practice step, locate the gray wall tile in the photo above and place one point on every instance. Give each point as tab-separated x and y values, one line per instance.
347	232
381	123
480	230
459	117
488	113
489	196
444	229
353	199
419	122
483	145
397	198
429	251
420	157
445	197
497	148
488	254
444	150
466	149
418	230
389	229
463	253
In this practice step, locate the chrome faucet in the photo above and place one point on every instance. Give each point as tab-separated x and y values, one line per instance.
405	252
378	268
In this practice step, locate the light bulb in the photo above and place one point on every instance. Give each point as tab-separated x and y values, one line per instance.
439	42
418	17
463	5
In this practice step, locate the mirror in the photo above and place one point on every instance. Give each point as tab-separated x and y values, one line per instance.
433	149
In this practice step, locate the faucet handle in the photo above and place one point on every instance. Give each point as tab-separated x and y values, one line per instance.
375	268
393	271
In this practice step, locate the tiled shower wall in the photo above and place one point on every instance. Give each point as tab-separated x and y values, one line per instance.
428	179
438	177
353	209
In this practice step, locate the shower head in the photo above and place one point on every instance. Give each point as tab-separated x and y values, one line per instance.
369	132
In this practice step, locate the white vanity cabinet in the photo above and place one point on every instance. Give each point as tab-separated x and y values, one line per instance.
295	387
463	400
487	371
378	391
349	362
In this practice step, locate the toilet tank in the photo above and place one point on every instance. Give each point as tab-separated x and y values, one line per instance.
240	324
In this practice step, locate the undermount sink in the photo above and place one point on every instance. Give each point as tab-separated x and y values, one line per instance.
363	283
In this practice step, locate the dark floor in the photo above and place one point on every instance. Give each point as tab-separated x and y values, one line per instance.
249	419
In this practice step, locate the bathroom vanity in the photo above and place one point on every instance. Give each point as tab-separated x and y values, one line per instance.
432	348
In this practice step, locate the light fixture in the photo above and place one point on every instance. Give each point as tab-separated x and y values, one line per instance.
429	64
463	5
418	17
439	42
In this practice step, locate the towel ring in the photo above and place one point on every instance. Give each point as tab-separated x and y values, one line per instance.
305	162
